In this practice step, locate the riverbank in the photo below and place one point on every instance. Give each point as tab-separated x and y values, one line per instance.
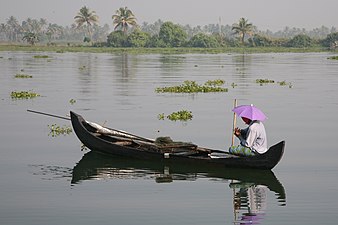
62	49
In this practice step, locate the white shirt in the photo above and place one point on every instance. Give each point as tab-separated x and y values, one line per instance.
255	137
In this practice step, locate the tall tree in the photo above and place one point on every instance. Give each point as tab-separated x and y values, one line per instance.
242	28
53	30
13	28
87	18
31	38
123	19
172	35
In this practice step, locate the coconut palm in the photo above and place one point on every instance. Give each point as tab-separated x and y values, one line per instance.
53	30
31	38
86	18
13	28
242	28
123	18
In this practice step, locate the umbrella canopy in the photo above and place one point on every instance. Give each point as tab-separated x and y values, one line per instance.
250	112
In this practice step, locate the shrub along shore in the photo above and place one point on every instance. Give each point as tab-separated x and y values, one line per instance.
178	50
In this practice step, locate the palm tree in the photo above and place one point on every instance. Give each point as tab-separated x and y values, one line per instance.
53	30
87	18
13	28
242	28
124	18
31	38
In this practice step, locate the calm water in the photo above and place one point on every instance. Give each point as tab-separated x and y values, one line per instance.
49	180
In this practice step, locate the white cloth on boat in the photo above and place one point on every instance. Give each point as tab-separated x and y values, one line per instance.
106	131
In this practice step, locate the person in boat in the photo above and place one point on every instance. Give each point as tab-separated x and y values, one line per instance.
252	139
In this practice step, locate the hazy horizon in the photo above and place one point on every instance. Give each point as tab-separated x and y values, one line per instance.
271	15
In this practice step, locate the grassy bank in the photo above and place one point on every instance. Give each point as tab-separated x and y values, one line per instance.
61	49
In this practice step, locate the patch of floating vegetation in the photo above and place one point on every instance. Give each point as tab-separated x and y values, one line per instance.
23	76
40	56
284	83
217	82
333	57
264	81
56	130
193	87
267	81
183	115
23	94
82	67
72	101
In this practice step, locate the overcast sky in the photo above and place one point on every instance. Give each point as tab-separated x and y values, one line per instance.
265	14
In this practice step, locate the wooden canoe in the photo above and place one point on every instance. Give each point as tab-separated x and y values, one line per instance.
120	143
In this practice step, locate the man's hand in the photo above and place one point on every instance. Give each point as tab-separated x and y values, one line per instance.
237	131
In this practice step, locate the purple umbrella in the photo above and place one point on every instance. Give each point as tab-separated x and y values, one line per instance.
250	112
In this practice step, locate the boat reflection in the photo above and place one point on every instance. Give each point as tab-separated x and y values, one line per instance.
97	166
250	187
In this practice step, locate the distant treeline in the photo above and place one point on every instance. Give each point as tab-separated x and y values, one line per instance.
161	34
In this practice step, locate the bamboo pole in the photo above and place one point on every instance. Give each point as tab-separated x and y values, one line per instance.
233	125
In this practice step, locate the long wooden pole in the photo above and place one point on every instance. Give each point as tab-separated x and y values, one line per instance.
233	125
47	114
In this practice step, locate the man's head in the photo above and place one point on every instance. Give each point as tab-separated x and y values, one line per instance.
246	120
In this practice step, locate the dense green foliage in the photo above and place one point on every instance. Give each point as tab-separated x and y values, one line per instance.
202	40
300	41
138	39
172	35
117	39
330	39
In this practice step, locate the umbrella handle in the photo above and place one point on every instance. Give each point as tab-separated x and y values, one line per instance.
234	124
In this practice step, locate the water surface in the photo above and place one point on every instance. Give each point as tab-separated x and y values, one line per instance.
49	180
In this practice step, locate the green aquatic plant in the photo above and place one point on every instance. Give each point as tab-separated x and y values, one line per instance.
192	87
333	57
182	115
72	101
23	94
267	81
40	56
23	76
160	116
284	83
264	81
217	82
56	130
233	85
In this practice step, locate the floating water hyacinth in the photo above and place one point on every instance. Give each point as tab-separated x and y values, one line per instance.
264	81
23	76
56	130
23	94
192	87
72	101
183	115
40	56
